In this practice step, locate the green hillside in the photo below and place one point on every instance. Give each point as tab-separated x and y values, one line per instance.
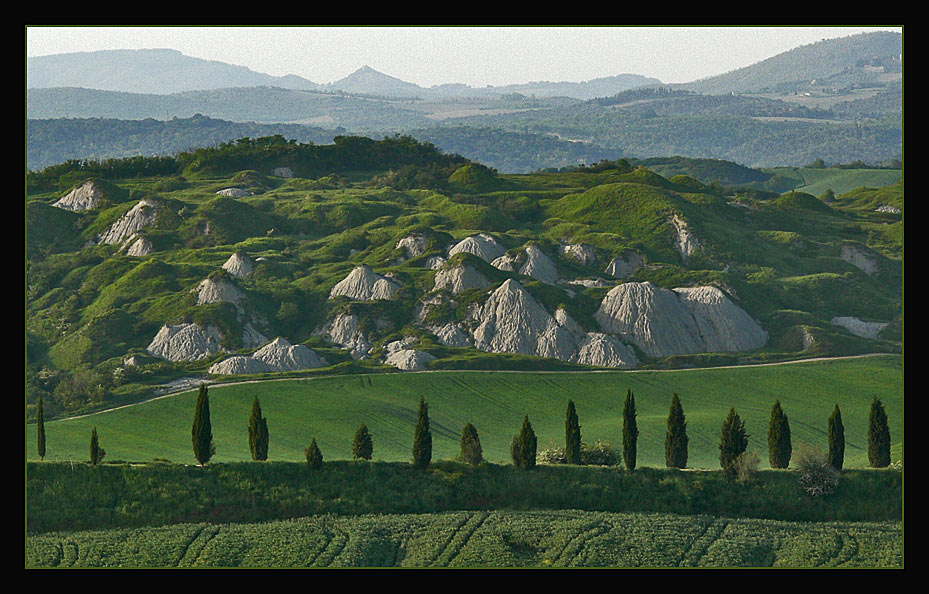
331	408
792	263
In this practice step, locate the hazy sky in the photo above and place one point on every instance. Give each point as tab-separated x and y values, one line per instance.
476	56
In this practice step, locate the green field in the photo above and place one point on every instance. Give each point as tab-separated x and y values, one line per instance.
567	538
817	181
331	408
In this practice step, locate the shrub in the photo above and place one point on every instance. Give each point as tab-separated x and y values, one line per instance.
733	441
471	451
817	477
600	454
314	458
552	455
363	444
746	465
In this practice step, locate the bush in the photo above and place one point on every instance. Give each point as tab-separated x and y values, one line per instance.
314	457
598	454
363	444
746	465
471	451
817	477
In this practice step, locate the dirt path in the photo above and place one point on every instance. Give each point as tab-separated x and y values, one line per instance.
286	379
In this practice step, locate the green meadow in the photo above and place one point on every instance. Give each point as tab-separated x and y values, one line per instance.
330	409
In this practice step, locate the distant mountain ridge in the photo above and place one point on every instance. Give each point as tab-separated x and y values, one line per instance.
150	71
168	71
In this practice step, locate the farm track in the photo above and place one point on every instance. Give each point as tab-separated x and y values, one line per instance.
201	542
701	544
470	388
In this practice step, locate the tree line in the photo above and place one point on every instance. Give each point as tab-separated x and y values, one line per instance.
524	447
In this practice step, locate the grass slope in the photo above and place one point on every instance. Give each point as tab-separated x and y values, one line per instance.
331	408
481	539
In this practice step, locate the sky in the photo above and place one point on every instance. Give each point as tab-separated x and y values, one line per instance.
476	56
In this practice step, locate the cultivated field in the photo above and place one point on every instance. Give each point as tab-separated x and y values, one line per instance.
474	539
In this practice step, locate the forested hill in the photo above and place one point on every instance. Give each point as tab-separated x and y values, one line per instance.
847	61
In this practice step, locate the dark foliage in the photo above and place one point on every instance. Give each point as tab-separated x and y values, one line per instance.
675	445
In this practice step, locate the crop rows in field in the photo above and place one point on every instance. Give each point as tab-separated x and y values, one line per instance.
482	539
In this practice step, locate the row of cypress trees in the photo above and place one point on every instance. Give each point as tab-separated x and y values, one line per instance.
733	440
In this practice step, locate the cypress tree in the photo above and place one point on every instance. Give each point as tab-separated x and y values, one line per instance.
675	443
202	430
258	433
572	446
779	448
836	457
422	438
40	429
878	436
523	448
471	451
733	441
630	431
363	444
96	452
314	458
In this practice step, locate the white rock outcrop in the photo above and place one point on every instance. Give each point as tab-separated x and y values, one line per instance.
282	172
239	365
860	328
512	321
363	284
343	330
452	335
603	350
590	282
579	252
414	245
185	342
663	322
481	245
409	359
86	196
539	266
685	242
218	290
435	262
860	258
888	208
144	214
140	248
277	355
506	262
234	193
239	265
462	277
625	265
